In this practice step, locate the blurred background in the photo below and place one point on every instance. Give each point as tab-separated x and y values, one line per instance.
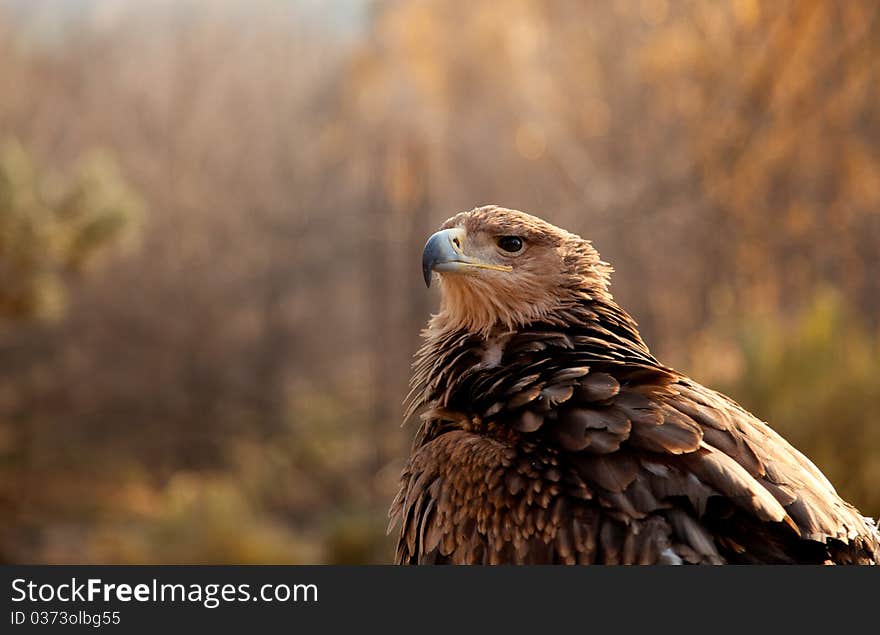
211	216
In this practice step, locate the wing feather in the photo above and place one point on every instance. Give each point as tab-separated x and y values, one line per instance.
579	447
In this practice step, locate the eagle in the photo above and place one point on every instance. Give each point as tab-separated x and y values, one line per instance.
549	433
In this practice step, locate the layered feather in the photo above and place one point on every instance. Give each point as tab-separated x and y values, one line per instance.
561	439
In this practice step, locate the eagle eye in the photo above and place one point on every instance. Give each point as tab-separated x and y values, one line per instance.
510	244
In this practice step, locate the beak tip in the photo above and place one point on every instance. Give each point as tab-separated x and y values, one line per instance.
439	252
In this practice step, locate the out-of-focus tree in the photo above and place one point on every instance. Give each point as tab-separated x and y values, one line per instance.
53	225
231	389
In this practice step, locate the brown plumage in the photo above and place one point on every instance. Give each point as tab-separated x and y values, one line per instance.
550	433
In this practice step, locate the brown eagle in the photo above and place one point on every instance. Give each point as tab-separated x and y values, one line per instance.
550	433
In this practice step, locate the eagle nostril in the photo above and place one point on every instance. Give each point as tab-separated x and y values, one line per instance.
456	242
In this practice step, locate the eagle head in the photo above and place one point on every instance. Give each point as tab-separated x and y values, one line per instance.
501	267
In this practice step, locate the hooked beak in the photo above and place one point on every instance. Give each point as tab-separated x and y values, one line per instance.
443	253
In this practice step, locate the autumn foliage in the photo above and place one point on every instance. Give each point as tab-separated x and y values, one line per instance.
211	216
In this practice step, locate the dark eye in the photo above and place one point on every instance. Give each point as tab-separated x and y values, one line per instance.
511	244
